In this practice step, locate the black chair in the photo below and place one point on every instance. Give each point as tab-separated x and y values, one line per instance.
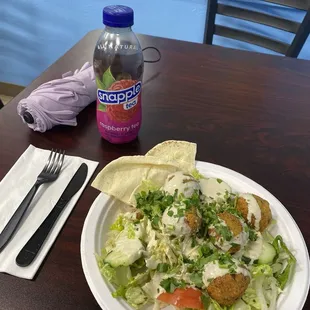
301	30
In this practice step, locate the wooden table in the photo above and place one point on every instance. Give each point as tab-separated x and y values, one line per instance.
246	111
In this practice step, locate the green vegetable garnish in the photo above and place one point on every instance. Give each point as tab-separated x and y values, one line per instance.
135	297
171	284
163	267
196	278
118	224
224	232
206	301
153	204
170	213
281	247
131	231
252	235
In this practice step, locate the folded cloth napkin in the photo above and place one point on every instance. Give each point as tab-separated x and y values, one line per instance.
58	102
15	186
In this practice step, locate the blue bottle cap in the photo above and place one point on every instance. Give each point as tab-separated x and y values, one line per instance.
118	16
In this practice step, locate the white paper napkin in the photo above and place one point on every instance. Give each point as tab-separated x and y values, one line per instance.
13	189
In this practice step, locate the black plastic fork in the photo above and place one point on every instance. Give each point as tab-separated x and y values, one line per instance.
49	174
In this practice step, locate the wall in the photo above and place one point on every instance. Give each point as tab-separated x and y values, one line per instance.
34	33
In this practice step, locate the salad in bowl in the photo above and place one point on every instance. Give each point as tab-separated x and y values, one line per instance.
188	241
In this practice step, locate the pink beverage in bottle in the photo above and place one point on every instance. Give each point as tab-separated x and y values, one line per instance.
118	66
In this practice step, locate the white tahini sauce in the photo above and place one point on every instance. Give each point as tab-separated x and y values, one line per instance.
130	248
153	288
241	239
253	209
214	189
212	271
181	181
188	251
175	225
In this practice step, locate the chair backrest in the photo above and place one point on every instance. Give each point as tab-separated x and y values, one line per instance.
301	30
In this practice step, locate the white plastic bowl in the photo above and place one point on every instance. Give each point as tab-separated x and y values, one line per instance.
104	210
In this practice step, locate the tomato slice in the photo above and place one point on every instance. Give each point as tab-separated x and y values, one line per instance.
183	298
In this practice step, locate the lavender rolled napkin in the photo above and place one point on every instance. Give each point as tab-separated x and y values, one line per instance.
58	102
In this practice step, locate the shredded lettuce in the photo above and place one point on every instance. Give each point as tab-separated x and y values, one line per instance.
262	270
117	276
260	273
109	273
136	297
269	281
250	297
118	225
263	290
160	249
131	231
240	305
124	246
215	306
286	258
126	251
132	290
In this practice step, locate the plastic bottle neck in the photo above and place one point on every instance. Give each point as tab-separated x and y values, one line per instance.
117	29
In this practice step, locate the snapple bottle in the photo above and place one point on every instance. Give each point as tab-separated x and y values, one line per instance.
118	65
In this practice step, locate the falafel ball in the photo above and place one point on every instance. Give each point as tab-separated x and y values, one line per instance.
193	219
226	290
239	237
183	182
214	189
179	221
224	286
255	210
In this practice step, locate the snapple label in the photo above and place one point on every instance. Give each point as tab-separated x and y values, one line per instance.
119	111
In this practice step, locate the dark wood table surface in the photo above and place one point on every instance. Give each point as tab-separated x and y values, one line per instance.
246	111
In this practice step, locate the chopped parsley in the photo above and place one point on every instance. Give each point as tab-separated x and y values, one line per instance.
206	301
153	204
252	235
232	270
224	232
235	245
163	267
205	250
201	262
194	242
170	284
226	261
181	212
196	279
246	260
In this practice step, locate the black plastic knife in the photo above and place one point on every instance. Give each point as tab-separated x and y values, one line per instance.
33	246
